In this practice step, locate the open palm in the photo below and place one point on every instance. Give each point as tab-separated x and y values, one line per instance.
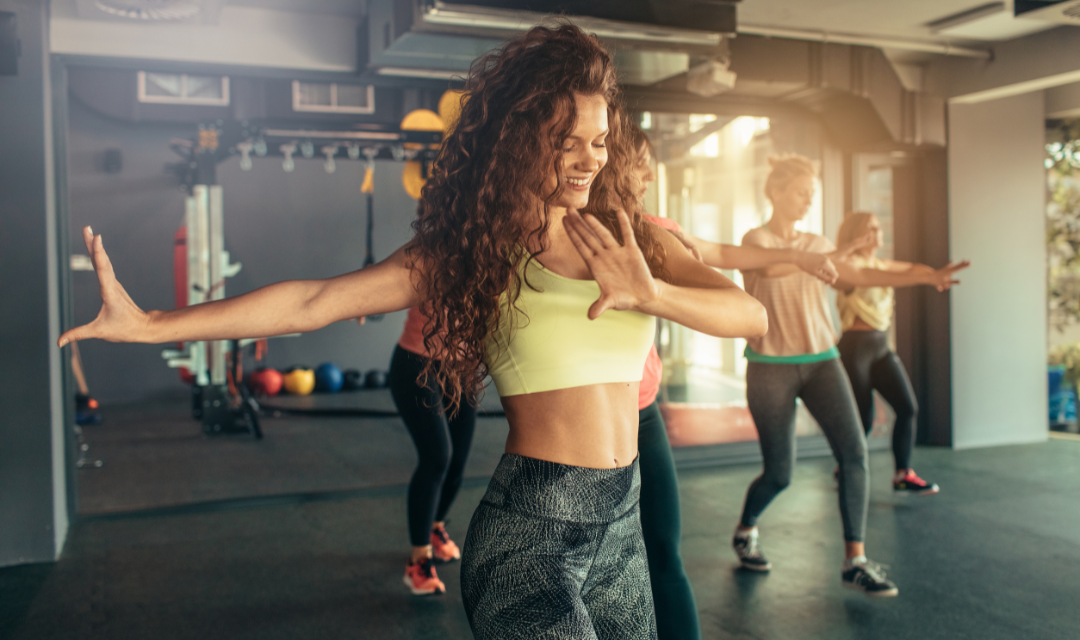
120	319
620	270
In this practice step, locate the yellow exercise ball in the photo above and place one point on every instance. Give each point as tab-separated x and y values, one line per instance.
300	382
412	178
450	107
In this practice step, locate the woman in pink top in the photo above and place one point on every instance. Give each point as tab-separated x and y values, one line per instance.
442	447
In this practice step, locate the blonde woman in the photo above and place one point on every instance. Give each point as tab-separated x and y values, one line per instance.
865	317
798	358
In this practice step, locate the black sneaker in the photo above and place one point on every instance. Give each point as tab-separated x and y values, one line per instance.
750	556
869	578
913	484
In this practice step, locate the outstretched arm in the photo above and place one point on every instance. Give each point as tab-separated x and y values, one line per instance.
774	262
286	307
896	274
696	297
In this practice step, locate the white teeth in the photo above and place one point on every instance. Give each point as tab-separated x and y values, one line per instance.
578	182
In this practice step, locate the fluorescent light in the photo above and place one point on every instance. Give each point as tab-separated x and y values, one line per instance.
964	17
434	74
483	17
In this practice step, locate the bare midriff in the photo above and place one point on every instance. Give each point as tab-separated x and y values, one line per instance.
593	426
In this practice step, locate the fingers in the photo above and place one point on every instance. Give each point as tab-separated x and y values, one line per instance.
578	241
600	306
88	239
102	264
73	335
575	222
627	229
607	241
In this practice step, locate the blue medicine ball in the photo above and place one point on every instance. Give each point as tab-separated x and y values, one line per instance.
328	378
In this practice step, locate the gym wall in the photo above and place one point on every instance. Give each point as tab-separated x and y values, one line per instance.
304	224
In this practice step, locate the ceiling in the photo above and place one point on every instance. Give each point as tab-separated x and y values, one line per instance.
905	19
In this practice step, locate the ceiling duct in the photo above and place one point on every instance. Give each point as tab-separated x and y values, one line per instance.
438	40
853	91
1059	11
150	11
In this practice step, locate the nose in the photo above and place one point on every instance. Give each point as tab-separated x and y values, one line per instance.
589	159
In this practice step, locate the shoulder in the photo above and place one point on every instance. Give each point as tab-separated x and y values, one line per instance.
758	237
665	223
817	244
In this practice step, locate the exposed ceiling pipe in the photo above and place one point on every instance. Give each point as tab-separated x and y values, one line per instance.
869	41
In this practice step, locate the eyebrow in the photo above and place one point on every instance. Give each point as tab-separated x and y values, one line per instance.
600	135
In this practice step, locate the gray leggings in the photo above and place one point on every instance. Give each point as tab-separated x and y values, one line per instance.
555	551
771	390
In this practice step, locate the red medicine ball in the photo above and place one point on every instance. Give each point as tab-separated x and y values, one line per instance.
265	382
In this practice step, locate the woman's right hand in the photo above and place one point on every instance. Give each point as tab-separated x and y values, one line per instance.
120	319
942	279
818	265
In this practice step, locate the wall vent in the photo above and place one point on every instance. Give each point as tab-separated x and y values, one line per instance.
324	97
181	88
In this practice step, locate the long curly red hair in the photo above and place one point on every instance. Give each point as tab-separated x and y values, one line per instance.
486	200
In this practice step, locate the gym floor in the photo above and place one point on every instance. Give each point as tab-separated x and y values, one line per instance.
309	549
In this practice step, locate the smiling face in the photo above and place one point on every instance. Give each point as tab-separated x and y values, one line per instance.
793	200
583	153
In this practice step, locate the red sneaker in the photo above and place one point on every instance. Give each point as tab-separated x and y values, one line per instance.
442	547
911	483
421	579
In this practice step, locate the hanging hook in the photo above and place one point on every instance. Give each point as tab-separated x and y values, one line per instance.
245	154
330	151
289	148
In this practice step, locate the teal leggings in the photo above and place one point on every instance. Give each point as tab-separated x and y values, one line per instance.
673	598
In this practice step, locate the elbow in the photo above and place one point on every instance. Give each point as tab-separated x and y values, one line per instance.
759	324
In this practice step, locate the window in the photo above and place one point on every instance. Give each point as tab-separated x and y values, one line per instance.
333	97
181	88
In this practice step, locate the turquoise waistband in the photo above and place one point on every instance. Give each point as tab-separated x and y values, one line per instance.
802	358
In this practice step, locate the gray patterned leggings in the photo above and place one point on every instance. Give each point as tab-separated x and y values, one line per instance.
555	551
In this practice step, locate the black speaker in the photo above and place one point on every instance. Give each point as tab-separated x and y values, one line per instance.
10	50
113	161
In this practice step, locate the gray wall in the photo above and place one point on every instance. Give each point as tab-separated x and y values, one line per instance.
33	481
304	224
997	190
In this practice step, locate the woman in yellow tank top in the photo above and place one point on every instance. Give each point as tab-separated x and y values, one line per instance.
535	179
865	317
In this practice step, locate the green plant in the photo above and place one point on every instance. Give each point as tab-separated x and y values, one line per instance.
1063	225
1068	356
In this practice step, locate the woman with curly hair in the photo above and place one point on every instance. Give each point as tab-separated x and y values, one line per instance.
539	269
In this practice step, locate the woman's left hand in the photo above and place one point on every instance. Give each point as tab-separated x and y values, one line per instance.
620	270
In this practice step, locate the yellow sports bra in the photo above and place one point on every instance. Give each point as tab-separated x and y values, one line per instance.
873	304
549	343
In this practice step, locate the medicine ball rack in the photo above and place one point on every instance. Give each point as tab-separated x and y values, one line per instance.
208	264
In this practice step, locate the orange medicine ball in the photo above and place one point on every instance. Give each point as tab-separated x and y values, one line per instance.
300	382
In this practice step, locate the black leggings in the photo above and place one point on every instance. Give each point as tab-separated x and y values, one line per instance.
555	551
442	445
871	365
771	390
661	527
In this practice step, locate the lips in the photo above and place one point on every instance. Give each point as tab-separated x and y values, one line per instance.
579	184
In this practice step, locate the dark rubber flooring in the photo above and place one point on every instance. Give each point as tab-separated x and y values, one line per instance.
995	556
